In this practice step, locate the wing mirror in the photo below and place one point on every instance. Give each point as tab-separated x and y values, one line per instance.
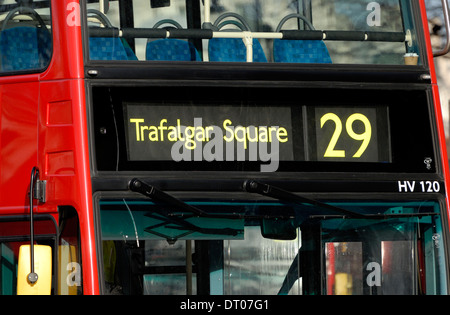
40	281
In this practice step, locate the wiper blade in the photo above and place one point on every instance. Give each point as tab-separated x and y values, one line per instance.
379	216
287	196
154	193
176	223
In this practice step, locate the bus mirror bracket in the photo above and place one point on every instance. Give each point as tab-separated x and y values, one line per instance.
34	278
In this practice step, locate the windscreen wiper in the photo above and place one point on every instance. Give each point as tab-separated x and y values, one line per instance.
252	186
178	223
378	216
156	194
283	195
287	196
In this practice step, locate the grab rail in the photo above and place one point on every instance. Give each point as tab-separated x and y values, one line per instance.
284	34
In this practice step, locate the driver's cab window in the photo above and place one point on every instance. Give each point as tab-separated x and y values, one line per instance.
25	35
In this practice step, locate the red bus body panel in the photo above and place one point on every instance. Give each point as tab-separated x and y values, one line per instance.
43	124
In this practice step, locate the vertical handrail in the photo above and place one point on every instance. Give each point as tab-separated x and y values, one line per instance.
207	5
446	48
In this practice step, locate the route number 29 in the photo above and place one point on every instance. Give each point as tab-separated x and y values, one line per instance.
365	137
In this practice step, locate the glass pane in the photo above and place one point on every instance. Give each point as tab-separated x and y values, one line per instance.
279	31
69	263
343	263
392	256
258	266
25	35
367	16
161	254
153	248
398	269
15	233
8	265
395	275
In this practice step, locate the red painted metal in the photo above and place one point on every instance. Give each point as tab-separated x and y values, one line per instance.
43	124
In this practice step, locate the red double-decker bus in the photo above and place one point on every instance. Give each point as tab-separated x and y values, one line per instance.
221	147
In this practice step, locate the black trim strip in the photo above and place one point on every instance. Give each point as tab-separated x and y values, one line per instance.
393	185
269	72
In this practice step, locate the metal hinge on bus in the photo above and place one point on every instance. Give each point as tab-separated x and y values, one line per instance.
40	190
39	187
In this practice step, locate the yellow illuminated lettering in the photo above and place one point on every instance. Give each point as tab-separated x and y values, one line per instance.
137	121
272	129
331	152
263	134
153	134
241	138
142	131
200	134
365	137
281	133
191	136
190	143
250	139
179	130
227	129
172	135
162	128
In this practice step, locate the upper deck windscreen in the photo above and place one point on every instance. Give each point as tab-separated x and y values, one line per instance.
267	31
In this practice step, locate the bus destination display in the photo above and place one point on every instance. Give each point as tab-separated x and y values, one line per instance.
174	132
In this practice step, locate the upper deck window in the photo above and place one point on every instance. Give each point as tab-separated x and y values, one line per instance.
25	35
267	31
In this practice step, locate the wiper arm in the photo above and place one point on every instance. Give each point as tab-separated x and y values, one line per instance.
379	216
283	195
154	193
